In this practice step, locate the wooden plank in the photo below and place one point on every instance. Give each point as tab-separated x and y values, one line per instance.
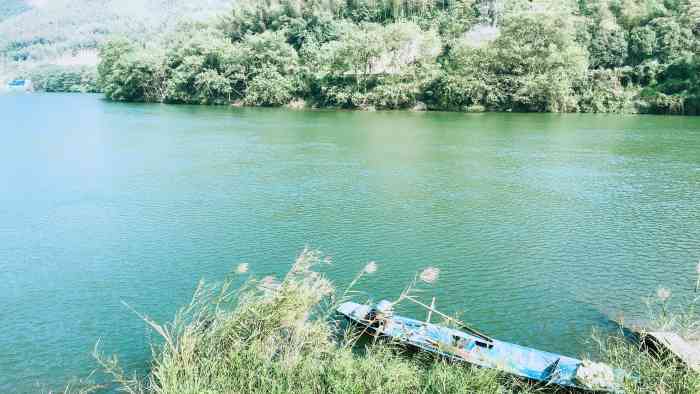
686	351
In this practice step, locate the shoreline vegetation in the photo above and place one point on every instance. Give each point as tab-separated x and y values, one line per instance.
280	335
603	56
600	56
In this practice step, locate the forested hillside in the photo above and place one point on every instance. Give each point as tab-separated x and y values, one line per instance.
465	55
52	39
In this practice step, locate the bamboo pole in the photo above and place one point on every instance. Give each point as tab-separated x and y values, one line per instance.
430	311
462	324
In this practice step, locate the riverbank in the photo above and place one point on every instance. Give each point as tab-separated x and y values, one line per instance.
279	336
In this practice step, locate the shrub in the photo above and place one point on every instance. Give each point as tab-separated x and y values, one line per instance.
674	41
69	79
269	88
603	92
469	78
533	65
134	77
384	66
608	47
642	43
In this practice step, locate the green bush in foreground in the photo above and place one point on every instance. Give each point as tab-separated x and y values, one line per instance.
278	337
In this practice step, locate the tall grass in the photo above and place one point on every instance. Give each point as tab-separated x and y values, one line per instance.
279	337
659	374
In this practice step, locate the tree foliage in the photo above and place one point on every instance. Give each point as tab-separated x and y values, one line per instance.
532	66
514	55
73	79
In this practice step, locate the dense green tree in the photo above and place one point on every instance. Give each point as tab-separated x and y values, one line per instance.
514	55
134	77
603	91
210	84
676	88
74	79
266	69
110	53
631	13
269	88
470	77
608	47
692	13
349	62
374	65
642	43
299	20
674	40
533	65
195	61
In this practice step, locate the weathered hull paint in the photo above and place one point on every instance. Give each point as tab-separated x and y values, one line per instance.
549	368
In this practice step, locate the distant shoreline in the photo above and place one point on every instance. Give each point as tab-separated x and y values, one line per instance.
312	108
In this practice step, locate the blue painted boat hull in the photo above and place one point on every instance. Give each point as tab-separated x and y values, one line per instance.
549	368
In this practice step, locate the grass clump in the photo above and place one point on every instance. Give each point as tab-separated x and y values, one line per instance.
661	373
656	371
279	336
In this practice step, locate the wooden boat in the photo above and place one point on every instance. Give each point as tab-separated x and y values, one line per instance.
475	348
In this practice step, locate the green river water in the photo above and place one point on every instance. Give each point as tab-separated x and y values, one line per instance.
538	222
